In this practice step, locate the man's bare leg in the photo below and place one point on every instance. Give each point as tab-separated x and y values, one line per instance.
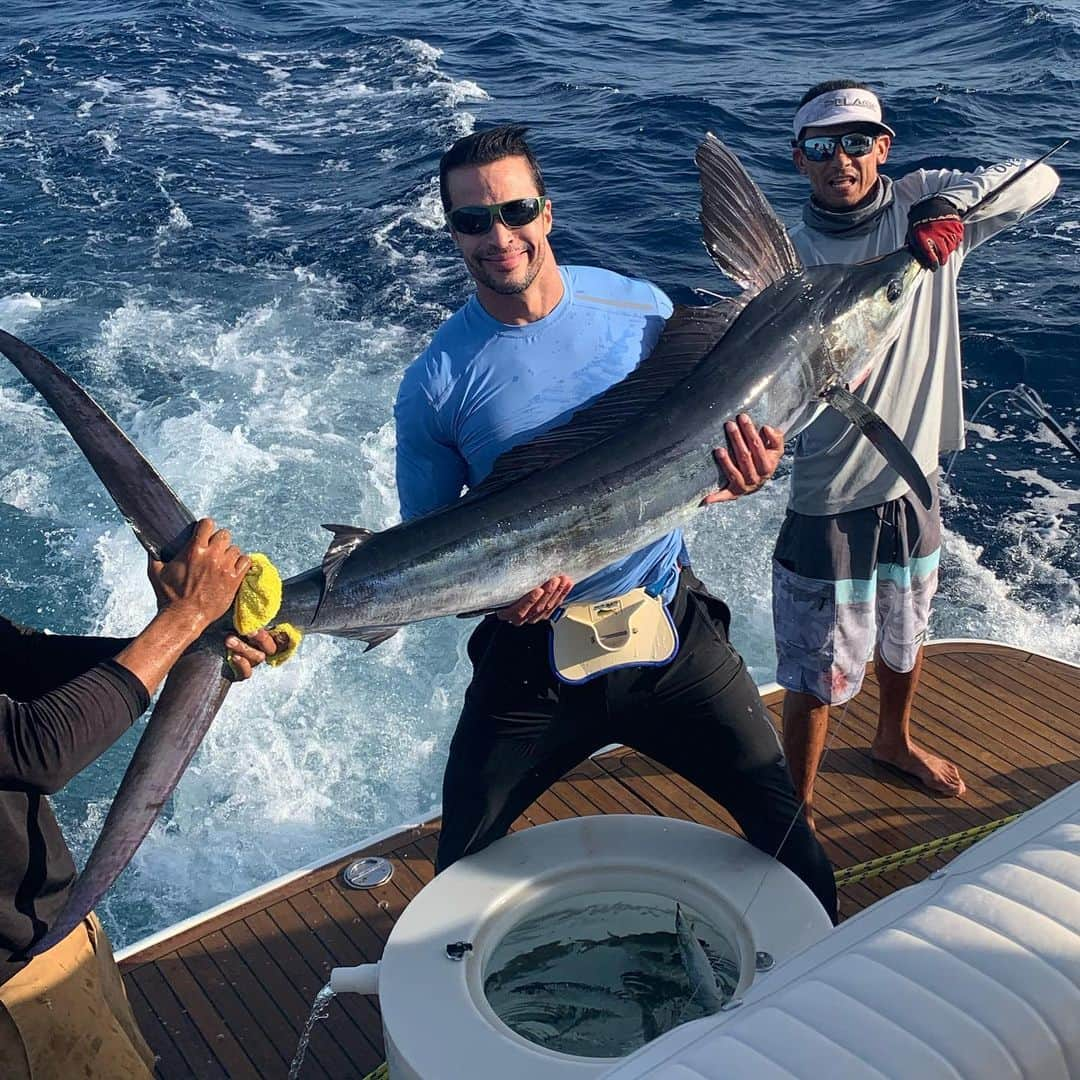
806	725
892	744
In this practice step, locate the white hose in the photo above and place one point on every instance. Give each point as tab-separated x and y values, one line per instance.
362	979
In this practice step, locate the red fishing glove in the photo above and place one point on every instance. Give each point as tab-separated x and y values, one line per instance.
935	230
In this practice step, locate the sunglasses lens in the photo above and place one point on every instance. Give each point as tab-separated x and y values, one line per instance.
856	144
819	149
520	212
822	147
471	220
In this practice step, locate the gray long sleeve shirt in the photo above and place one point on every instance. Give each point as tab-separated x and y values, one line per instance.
915	386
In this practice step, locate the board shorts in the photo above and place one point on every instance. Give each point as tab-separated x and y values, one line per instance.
845	583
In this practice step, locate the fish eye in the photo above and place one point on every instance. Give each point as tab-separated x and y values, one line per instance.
894	290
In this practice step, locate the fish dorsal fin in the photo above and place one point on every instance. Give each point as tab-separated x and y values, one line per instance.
688	337
347	538
742	234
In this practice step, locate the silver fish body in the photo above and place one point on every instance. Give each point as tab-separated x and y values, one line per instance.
815	329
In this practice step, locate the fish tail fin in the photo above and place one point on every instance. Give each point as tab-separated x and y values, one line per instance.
193	693
162	523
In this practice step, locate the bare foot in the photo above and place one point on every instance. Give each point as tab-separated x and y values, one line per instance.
937	775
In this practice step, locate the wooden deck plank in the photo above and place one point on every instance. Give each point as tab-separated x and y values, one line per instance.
980	761
981	693
229	996
353	1035
1026	687
1023	682
196	1003
340	951
905	797
657	787
1019	745
379	908
625	798
271	1019
239	1027
170	1062
258	941
197	1057
366	943
1067	679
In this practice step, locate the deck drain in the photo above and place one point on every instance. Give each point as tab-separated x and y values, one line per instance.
367	873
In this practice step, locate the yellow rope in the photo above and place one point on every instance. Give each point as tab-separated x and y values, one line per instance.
873	867
381	1073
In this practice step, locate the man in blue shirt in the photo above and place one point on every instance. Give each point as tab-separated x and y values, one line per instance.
534	344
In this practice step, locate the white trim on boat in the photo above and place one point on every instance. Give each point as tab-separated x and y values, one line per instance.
270	886
1000	645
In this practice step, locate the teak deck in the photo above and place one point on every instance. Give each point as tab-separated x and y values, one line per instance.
228	997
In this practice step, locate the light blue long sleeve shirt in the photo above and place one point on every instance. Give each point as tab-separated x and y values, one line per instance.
482	387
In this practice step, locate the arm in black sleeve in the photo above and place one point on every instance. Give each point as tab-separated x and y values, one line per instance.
33	663
46	741
63	701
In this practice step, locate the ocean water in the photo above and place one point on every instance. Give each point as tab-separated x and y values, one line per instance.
223	219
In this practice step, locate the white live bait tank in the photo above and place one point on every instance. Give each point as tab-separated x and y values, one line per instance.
452	943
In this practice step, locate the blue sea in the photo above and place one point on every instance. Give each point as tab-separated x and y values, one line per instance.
223	218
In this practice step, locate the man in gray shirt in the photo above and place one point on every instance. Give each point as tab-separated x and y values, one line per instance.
855	565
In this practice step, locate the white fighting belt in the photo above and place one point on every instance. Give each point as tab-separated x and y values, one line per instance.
589	639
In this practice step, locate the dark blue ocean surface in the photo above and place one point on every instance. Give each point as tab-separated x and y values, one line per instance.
223	219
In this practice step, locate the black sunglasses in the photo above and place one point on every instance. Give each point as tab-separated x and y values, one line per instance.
476	220
822	147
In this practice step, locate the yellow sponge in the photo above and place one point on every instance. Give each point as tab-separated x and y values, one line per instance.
259	596
257	602
286	630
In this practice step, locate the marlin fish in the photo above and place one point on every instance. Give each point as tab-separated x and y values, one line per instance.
571	501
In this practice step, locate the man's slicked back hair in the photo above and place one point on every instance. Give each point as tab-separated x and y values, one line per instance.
835	84
484	147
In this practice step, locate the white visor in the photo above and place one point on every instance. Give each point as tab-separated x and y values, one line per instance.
835	107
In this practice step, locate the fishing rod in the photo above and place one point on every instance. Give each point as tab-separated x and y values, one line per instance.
1029	401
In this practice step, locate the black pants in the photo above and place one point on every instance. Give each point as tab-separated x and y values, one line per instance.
701	715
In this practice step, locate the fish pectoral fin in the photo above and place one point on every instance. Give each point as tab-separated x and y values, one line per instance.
746	240
374	636
347	538
885	440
